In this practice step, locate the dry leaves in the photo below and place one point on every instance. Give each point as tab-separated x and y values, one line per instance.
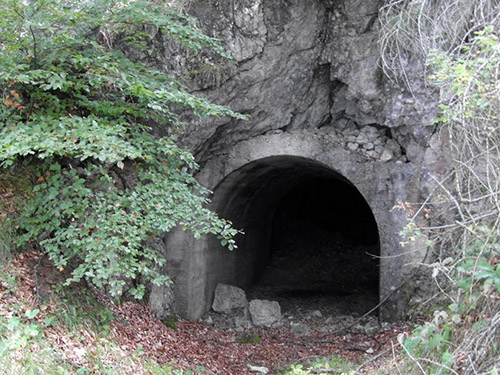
194	345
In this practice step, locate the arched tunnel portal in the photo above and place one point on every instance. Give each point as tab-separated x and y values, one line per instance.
309	234
317	219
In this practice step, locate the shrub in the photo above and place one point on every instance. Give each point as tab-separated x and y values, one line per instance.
79	110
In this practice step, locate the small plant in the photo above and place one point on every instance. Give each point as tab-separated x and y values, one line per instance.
19	331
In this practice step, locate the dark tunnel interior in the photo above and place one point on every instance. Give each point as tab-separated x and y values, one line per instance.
311	236
323	247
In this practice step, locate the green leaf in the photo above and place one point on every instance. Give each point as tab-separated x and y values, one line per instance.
30	314
13	323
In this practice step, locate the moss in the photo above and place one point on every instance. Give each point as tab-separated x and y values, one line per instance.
171	321
249	338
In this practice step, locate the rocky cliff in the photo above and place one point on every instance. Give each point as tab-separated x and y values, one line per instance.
307	73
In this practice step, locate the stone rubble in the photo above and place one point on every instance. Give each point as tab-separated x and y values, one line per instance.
368	141
228	299
264	313
300	329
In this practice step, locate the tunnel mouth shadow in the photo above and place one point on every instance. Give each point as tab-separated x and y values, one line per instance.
323	251
311	239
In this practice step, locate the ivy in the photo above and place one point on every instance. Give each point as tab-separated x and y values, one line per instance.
76	107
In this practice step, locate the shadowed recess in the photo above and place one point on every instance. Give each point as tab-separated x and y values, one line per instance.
310	237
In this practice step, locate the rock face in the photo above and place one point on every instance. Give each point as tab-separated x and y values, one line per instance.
264	313
319	106
229	298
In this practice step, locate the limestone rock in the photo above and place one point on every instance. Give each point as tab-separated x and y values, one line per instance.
264	313
242	322
393	146
352	146
386	155
229	298
258	369
362	139
371	328
301	67
300	329
316	314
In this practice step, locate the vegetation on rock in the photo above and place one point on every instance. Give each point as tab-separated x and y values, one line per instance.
79	112
458	44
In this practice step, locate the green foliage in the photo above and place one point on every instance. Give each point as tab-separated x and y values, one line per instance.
75	106
471	80
477	282
335	365
459	42
433	340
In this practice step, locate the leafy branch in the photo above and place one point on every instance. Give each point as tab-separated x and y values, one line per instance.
78	110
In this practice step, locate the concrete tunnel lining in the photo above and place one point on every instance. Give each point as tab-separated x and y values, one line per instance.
251	196
235	175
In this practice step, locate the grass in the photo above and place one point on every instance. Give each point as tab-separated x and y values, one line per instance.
249	338
69	332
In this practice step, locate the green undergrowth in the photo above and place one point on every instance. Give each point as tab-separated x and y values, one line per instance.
322	366
69	332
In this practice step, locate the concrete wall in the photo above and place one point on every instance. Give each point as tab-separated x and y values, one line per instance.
252	176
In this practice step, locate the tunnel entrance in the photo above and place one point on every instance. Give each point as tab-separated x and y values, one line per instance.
311	241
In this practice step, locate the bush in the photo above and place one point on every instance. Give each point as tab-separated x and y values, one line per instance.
79	110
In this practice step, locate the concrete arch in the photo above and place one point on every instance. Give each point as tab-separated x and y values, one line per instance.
255	175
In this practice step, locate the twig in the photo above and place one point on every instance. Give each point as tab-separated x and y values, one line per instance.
372	359
365	314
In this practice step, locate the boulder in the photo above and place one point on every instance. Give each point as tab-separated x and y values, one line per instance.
300	329
372	327
264	313
229	298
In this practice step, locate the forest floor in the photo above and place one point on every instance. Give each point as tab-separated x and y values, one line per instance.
88	335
